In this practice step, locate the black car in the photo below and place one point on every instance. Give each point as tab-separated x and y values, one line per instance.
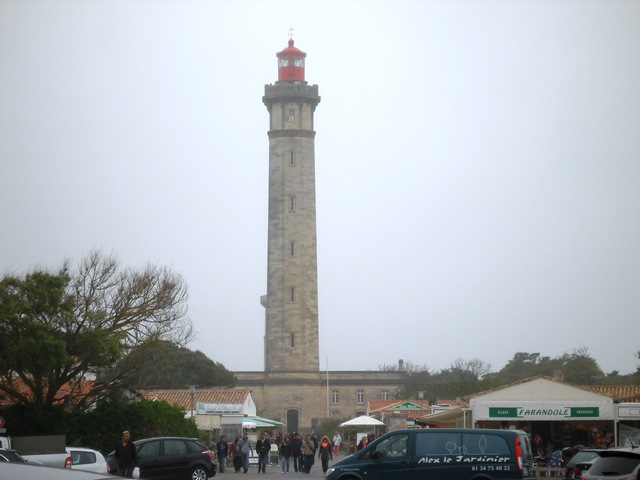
581	462
171	458
614	464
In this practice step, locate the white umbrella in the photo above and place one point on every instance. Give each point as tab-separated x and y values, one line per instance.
362	420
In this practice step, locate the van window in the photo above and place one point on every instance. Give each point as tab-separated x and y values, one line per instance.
481	444
392	446
437	443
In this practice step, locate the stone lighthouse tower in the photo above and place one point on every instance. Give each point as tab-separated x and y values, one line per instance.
291	302
292	388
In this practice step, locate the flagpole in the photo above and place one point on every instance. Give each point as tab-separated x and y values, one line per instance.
328	387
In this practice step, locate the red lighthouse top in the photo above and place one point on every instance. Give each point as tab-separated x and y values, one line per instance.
291	64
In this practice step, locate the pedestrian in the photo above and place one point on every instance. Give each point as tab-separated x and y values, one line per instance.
308	452
296	452
263	446
245	446
222	448
337	440
362	443
125	455
285	454
324	453
237	455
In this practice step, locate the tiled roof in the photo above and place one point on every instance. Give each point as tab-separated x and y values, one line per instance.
623	393
78	389
389	407
182	397
524	380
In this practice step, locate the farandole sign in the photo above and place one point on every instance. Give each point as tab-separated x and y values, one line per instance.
544	412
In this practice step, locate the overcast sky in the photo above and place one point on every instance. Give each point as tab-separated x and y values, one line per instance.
478	166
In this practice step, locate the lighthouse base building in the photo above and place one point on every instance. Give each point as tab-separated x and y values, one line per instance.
292	388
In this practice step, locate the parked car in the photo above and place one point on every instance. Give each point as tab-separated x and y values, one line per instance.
170	458
88	460
29	471
635	474
614	464
580	462
10	456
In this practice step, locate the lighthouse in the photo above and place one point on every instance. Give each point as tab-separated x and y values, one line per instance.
291	301
292	388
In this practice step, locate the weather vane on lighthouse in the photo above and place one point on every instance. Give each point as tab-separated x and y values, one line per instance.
290	32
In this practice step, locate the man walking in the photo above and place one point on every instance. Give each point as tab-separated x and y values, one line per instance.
263	446
245	448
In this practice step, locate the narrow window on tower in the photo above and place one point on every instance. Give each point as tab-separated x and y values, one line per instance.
292	160
292	294
360	396
292	203
292	248
335	396
291	115
385	395
292	339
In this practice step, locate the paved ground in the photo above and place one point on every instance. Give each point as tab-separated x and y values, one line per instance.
274	471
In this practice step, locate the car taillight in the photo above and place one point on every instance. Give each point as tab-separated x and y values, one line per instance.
519	460
108	469
207	452
67	462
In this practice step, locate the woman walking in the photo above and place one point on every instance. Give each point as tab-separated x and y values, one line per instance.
324	453
285	454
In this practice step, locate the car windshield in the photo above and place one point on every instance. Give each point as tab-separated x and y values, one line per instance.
582	457
614	465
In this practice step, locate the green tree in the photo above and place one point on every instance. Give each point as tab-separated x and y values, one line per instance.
180	367
101	428
580	368
58	328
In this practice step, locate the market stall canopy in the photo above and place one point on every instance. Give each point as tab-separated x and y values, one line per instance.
362	420
259	422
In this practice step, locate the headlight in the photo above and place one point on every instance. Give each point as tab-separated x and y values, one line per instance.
329	472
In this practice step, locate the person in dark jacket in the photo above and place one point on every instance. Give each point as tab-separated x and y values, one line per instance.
237	455
263	445
325	453
285	453
222	449
296	452
125	455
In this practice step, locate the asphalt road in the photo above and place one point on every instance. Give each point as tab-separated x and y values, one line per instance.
275	471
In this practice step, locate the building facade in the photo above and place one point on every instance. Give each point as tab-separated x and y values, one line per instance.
292	388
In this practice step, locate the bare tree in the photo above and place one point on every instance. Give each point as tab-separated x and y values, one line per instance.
58	328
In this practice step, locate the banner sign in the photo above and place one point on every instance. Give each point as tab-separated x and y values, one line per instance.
547	413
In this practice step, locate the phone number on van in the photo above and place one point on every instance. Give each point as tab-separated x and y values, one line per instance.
491	468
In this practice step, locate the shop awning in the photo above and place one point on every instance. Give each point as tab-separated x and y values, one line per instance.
446	417
250	422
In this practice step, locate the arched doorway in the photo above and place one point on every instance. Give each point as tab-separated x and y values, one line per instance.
292	420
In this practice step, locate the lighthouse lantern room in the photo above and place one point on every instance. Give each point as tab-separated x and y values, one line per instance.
291	64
